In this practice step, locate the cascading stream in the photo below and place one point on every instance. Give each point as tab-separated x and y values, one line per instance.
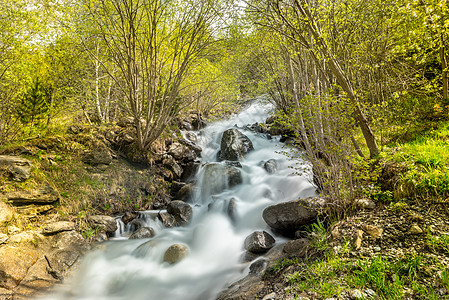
134	269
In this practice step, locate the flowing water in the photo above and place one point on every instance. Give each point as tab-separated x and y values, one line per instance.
134	269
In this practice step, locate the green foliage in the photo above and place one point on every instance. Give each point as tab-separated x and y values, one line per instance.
321	276
377	273
437	242
426	159
34	104
318	235
282	264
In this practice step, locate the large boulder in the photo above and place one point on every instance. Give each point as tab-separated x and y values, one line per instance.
136	224
41	196
181	211
17	168
287	217
176	253
186	192
62	255
189	171
246	288
259	242
106	223
14	265
234	145
217	177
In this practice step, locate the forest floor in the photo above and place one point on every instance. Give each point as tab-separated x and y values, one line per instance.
398	251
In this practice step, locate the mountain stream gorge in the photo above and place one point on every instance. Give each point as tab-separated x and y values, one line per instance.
223	215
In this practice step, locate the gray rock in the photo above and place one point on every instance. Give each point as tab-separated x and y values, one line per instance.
231	210
167	219
6	213
259	242
186	192
365	203
197	149
258	266
296	247
357	294
99	156
176	186
177	150
270	296
236	164
181	211
235	145
189	171
246	288
128	217
41	196
218	177
106	223
287	217
143	233
136	224
175	253
271	166
18	169
191	137
56	227
186	125
171	164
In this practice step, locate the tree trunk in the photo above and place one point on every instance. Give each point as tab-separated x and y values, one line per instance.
97	85
294	88
444	70
341	80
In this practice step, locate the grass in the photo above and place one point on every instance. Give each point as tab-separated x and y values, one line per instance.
390	278
426	158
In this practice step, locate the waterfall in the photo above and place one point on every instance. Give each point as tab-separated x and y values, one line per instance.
223	215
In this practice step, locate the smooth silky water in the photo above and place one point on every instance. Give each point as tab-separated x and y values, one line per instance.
134	269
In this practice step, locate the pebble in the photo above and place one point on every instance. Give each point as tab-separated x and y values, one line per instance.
415	229
373	231
370	293
377	249
357	294
271	296
358	239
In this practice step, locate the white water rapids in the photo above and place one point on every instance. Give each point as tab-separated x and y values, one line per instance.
134	269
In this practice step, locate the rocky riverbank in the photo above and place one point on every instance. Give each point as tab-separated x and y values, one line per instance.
61	195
